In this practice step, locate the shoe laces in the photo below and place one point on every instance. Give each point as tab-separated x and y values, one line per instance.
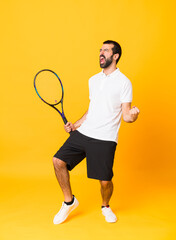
63	207
108	210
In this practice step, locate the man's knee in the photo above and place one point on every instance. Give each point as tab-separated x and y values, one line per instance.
58	163
106	184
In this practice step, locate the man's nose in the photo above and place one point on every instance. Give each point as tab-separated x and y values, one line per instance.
102	53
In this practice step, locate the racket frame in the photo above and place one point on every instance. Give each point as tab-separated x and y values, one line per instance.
53	105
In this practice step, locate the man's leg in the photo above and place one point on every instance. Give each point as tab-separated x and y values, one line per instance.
106	193
70	202
63	178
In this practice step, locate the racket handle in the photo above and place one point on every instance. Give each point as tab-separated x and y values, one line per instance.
64	119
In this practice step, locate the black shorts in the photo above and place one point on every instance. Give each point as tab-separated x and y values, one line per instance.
99	155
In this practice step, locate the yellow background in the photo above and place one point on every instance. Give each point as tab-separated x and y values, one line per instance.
66	36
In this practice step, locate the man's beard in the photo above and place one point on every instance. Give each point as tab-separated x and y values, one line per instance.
107	62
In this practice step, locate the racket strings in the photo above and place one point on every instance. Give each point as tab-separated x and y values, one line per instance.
49	87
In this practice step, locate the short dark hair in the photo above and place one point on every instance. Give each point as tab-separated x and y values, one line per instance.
115	49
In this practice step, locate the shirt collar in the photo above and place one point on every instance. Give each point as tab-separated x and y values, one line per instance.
111	74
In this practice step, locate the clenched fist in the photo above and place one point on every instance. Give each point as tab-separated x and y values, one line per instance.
134	112
69	127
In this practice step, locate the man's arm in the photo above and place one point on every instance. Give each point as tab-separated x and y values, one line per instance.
129	114
72	127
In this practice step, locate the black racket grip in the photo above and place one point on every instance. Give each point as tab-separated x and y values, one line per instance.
64	119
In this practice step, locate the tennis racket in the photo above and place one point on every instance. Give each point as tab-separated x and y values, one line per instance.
49	88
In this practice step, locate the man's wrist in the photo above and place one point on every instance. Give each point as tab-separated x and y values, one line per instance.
75	126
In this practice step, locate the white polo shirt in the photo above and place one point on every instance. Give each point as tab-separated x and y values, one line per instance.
106	93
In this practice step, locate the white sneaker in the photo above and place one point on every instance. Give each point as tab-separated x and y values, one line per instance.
109	215
65	211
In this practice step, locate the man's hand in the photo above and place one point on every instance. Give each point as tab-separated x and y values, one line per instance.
134	112
72	127
129	114
69	127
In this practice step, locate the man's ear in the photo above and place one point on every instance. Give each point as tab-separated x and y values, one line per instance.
116	56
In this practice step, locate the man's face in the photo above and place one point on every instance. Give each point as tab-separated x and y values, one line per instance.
106	55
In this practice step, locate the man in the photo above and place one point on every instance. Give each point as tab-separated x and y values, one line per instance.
95	135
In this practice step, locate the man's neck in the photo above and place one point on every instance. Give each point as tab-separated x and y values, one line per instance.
109	69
